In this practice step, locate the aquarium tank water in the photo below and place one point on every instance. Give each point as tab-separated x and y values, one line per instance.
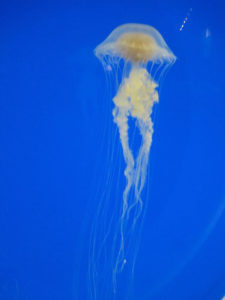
112	150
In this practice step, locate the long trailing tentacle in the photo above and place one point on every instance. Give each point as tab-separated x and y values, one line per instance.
121	119
146	130
135	98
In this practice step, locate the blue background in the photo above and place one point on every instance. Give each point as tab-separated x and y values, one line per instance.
53	111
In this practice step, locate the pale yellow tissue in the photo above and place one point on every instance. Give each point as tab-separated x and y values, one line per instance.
137	94
136	46
121	100
143	93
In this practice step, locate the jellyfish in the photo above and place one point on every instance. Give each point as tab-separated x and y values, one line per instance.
142	56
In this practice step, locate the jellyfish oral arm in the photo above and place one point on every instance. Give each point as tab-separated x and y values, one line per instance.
135	98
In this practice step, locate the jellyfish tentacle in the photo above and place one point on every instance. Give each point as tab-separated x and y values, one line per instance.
135	98
146	129
121	119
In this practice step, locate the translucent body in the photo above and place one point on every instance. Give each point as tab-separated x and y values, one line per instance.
148	40
139	55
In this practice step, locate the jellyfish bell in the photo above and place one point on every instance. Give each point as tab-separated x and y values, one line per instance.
136	43
139	48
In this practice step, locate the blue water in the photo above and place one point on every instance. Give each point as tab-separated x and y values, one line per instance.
54	115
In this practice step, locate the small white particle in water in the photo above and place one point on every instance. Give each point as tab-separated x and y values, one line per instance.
207	34
108	68
185	19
